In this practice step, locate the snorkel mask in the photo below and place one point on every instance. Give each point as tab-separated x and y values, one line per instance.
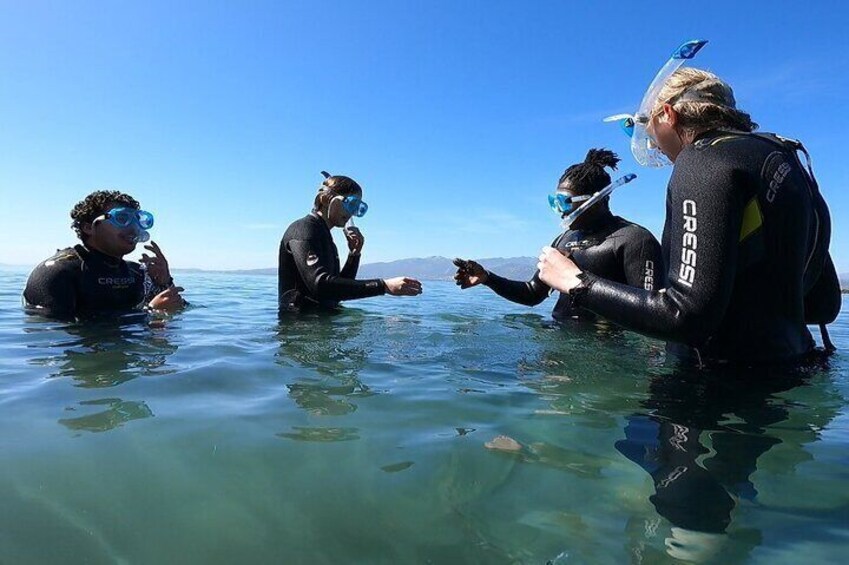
352	204
643	146
125	217
564	204
355	206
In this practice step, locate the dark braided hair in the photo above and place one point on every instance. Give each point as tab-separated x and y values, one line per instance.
589	177
94	205
334	185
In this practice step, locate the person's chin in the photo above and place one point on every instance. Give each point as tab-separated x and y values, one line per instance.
125	247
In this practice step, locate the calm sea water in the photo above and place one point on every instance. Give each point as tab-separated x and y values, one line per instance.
227	436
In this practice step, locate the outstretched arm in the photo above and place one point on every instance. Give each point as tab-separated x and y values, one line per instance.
471	273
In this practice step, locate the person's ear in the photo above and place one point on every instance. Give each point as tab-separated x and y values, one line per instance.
87	228
670	116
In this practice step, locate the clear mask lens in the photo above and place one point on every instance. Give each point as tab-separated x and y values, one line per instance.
645	149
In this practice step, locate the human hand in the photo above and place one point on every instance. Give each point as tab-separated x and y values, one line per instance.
403	286
157	266
168	300
557	270
469	273
355	238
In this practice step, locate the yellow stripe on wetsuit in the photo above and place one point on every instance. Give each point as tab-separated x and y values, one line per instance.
752	219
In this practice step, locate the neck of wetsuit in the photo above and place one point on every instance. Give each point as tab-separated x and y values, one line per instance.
91	254
321	219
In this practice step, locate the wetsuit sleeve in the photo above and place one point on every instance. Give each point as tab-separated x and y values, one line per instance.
643	262
529	293
53	292
352	265
316	274
822	303
704	215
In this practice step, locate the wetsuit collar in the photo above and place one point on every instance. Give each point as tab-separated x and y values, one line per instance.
88	254
319	219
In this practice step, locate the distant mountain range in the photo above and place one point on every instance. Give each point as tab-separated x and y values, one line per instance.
425	268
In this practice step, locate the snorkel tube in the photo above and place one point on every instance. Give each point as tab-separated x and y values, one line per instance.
569	219
643	147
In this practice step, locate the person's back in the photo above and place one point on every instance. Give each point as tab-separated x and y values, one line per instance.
308	242
770	208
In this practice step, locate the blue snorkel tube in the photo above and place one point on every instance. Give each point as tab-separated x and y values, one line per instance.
569	219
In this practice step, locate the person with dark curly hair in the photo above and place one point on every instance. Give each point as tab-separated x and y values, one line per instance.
92	277
595	239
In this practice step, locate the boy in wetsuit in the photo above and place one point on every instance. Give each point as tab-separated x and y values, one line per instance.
597	240
92	278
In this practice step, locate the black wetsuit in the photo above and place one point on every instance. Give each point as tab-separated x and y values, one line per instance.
78	282
610	247
308	273
746	247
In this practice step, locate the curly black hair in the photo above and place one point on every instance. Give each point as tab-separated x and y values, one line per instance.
94	205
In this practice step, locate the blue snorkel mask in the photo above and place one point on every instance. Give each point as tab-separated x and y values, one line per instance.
354	206
126	217
643	146
563	204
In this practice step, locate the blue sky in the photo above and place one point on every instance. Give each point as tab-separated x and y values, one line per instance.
456	117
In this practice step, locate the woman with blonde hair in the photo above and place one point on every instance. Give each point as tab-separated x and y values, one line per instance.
746	235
